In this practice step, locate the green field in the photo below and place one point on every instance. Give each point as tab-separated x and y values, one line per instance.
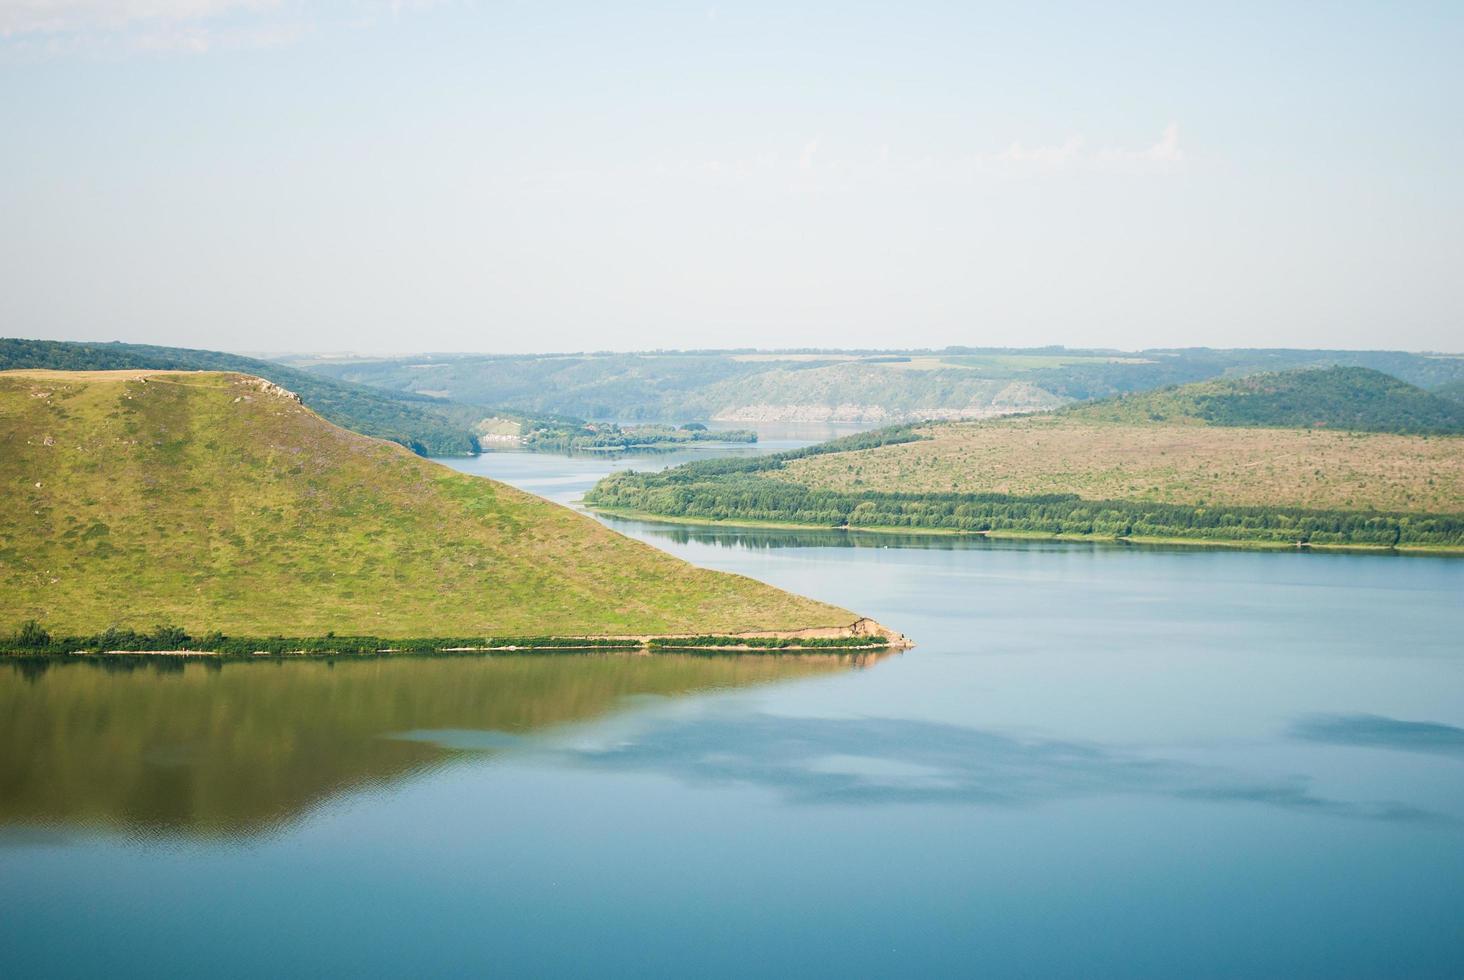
217	502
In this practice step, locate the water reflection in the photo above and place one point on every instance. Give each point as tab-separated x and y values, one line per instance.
165	745
863	761
1380	732
758	539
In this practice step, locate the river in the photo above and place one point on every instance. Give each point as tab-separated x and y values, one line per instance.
1098	760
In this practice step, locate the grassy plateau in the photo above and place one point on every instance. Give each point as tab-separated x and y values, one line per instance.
1163	461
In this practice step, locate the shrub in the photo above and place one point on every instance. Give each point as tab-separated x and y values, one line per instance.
32	636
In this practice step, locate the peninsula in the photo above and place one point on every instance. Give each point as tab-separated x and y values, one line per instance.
1336	457
213	512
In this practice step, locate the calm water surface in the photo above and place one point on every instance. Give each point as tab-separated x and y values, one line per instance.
1098	760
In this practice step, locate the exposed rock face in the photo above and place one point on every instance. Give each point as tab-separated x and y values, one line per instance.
1011	399
805	413
270	388
1023	396
879	394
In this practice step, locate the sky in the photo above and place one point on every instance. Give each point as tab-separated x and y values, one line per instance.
354	175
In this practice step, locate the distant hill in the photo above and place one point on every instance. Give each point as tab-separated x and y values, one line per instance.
837	385
1349	398
216	501
429	427
1148	370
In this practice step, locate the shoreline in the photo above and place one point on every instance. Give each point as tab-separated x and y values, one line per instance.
863	636
1228	544
648	650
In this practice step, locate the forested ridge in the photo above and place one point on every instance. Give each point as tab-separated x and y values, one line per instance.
1356	399
1454	391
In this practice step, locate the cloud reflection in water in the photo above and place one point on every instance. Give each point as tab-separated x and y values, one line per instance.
894	761
1380	732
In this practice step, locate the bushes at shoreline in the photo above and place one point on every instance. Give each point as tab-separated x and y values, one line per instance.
767	642
607	437
32	639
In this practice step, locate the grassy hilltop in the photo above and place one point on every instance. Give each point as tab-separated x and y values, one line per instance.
1341	456
216	501
427	426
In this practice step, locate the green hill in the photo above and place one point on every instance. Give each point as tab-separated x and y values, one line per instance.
1351	398
427	426
216	501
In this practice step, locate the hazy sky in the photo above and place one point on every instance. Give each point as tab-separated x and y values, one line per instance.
258	175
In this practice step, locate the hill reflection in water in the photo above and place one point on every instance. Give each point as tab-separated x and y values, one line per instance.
759	538
159	747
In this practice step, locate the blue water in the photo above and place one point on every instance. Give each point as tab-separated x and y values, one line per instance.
1098	761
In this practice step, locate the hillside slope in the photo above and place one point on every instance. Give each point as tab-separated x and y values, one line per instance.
1454	391
1352	398
216	501
426	426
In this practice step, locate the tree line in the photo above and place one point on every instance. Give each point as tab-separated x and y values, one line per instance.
767	642
572	436
724	490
